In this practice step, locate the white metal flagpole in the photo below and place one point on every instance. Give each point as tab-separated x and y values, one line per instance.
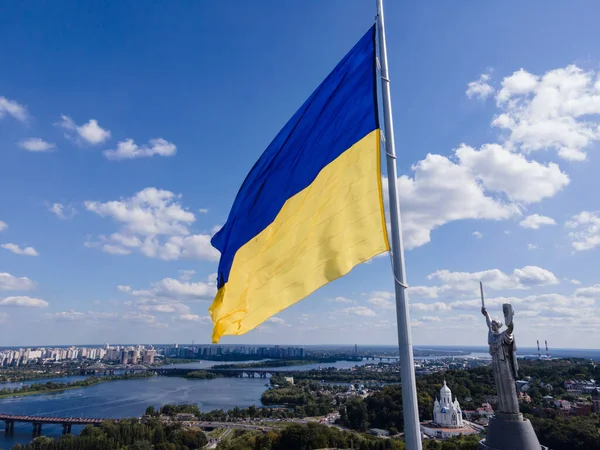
412	429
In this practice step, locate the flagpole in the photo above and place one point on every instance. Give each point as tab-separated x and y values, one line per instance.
412	429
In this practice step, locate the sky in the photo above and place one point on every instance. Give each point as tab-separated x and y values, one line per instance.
126	131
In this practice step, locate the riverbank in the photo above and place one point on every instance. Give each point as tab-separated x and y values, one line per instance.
51	388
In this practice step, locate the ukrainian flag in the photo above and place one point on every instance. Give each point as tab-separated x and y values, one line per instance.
311	207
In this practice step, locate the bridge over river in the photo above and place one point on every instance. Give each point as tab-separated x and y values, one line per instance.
239	373
68	422
37	421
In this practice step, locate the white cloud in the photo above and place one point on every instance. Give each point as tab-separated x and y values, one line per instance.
71	316
13	109
524	278
115	250
27	251
194	318
531	246
341	300
423	291
480	88
467	317
500	170
124	288
36	145
78	316
61	211
573	281
171	288
436	306
430	319
154	223
358	311
534	221
489	183
23	301
90	132
495	279
590	291
571	311
477	234
11	283
186	275
129	150
149	212
277	321
552	111
587	234
173	307
381	302
142	318
3	226
519	83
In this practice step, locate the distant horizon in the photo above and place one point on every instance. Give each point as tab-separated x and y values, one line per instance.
418	346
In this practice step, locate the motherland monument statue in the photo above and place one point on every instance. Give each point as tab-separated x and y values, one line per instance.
508	429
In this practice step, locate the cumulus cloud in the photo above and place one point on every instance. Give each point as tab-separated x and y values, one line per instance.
11	283
154	223
171	307
430	319
590	292
477	234
357	311
90	132
480	88
489	183
495	279
572	311
341	300
124	288
13	109
130	150
3	226
143	318
186	275
61	211
172	288
24	302
36	145
76	316
586	234
436	306
531	247
27	251
170	296
193	318
522	180
278	321
534	221
381	300
551	111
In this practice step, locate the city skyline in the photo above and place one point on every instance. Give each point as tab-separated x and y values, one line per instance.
123	143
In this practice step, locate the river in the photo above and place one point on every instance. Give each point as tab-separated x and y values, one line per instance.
130	398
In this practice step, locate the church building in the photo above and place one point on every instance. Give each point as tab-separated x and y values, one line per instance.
447	413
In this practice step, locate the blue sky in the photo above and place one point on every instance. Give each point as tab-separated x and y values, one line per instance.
125	132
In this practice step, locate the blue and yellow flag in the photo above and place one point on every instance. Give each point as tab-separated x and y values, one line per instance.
311	207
